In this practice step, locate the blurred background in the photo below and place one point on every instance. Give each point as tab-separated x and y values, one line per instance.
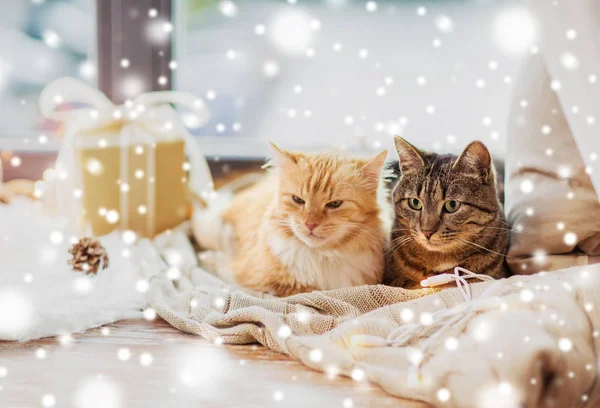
308	74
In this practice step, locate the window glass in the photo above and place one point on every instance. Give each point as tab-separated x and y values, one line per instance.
314	74
40	40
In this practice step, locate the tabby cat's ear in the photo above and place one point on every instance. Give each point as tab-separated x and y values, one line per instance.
372	170
475	160
282	158
410	157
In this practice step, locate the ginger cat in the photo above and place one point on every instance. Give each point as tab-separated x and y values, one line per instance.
320	222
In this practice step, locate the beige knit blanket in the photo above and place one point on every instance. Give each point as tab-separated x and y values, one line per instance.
522	342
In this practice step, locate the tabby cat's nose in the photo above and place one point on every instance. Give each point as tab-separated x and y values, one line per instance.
428	234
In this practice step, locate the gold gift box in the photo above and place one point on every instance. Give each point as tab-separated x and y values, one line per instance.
139	184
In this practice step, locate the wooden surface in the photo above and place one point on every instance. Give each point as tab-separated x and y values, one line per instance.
186	371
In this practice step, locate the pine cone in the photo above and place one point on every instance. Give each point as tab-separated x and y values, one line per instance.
88	256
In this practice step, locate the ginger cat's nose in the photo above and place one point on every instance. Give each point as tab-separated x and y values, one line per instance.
310	225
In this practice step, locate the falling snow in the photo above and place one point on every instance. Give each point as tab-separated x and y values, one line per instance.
296	37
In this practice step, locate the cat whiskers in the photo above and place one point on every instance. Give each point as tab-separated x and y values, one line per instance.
401	229
373	239
355	229
279	223
398	243
511	230
482	247
508	225
457	245
496	233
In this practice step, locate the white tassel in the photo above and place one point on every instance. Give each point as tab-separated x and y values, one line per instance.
404	333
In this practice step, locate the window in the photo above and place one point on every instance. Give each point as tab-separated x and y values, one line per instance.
314	74
308	74
36	47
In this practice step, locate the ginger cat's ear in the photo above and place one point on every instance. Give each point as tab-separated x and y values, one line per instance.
372	170
281	158
410	157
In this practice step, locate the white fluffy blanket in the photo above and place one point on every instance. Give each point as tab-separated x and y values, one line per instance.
40	294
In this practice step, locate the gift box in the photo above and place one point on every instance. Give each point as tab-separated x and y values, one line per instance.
133	167
140	185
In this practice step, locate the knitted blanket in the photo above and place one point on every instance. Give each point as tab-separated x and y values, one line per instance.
520	342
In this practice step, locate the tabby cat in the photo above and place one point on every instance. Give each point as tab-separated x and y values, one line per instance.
447	214
320	222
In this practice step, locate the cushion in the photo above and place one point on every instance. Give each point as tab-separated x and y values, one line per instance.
550	200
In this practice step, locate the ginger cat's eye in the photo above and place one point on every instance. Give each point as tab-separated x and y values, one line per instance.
297	199
452	206
334	204
415	203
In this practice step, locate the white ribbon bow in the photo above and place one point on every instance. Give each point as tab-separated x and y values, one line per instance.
151	110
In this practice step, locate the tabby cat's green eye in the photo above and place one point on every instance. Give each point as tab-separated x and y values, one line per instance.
452	206
415	203
334	204
297	199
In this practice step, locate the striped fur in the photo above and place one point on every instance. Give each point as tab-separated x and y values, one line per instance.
475	237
